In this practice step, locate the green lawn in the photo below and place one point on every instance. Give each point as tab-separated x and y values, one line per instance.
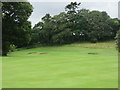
77	65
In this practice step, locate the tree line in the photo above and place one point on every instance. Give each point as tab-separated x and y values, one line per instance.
73	25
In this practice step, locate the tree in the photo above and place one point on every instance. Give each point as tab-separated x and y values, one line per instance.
76	26
114	23
35	34
71	8
16	28
98	27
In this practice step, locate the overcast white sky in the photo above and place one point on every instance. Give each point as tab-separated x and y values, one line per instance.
54	8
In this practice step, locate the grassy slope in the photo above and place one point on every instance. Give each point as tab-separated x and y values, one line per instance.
68	66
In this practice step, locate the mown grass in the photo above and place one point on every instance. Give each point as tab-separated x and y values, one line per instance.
79	65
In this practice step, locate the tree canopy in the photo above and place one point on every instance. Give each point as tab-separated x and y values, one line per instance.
75	25
16	28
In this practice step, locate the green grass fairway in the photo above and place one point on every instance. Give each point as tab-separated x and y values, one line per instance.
84	65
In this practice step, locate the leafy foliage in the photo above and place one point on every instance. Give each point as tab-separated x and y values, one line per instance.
16	28
76	26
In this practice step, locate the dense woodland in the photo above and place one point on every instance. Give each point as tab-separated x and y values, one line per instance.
73	25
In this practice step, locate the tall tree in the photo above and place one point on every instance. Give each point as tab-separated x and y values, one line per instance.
16	28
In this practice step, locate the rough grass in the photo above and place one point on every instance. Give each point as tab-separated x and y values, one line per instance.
68	66
108	44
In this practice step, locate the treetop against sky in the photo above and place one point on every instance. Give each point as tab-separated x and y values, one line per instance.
54	8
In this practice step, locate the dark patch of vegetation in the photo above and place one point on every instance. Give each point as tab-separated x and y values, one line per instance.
93	53
16	30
